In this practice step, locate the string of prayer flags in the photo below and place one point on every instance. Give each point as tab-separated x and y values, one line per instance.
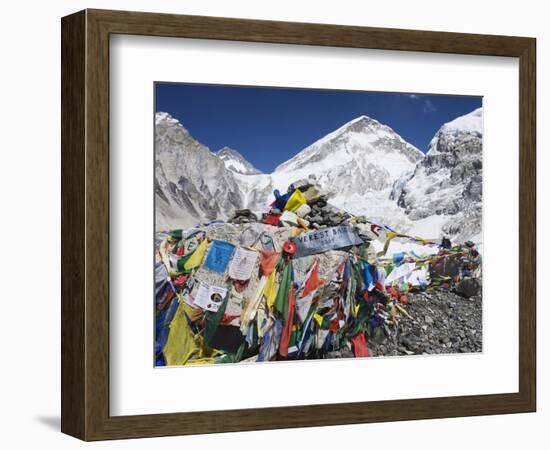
291	293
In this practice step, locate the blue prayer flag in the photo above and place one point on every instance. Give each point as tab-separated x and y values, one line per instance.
219	255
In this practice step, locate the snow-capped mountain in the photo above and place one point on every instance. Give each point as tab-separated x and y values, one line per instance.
448	181
357	165
364	166
361	155
191	183
234	161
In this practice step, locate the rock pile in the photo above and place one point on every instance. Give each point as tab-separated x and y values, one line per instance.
243	216
303	280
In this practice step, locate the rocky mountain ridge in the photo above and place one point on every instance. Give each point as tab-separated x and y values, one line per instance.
447	182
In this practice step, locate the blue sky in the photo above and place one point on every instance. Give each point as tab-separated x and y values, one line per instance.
270	125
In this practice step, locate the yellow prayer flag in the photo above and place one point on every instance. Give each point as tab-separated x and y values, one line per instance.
180	345
197	256
296	200
270	292
389	235
318	319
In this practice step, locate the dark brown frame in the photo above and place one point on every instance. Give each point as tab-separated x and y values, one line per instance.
85	224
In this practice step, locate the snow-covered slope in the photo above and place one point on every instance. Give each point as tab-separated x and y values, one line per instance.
236	162
360	156
471	123
448	181
357	165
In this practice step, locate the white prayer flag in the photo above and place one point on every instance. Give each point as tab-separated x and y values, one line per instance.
242	264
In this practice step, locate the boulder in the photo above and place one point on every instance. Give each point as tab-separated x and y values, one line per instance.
243	216
469	287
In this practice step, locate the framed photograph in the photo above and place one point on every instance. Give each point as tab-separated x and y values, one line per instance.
272	225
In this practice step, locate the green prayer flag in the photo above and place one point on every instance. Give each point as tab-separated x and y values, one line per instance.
182	261
213	319
281	301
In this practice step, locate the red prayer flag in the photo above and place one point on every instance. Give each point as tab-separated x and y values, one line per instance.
313	282
287	330
239	285
333	326
268	261
272	219
180	280
360	345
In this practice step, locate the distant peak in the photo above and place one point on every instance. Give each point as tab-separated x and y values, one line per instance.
471	122
168	121
364	134
236	162
361	120
162	116
358	124
226	152
358	119
366	124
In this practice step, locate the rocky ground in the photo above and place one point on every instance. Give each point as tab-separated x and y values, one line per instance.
442	322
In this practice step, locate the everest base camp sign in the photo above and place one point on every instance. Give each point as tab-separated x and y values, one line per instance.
324	240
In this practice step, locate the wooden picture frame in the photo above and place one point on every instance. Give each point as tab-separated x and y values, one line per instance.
85	224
